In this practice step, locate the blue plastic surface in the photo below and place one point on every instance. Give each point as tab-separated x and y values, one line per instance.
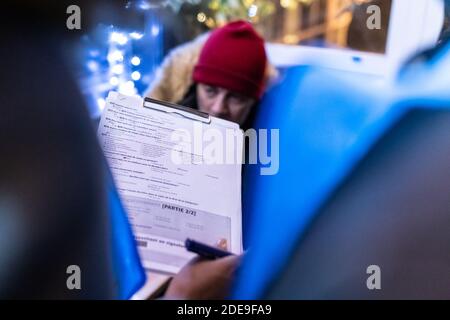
128	270
328	121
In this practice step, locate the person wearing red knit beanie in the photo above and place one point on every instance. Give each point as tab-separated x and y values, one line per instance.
229	77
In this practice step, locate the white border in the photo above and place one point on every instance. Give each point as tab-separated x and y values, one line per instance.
414	25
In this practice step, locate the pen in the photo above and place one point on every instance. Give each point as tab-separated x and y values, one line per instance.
204	250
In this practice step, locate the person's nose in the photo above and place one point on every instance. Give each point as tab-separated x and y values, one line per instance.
220	107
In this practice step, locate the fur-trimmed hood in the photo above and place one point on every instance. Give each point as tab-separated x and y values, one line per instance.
174	77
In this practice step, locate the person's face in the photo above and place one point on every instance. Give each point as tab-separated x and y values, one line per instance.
222	103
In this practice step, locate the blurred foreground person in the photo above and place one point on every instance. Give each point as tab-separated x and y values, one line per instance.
53	198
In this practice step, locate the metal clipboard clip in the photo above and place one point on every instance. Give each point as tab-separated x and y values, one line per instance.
177	109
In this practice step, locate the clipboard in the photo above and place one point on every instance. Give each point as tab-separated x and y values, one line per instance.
158	280
168	107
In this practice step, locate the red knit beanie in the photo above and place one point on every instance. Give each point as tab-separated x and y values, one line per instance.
233	58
